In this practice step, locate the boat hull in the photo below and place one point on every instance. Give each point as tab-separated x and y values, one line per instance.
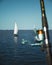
15	35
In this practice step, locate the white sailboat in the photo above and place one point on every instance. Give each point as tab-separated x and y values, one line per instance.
15	30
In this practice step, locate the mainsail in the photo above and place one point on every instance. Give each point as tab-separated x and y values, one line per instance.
15	29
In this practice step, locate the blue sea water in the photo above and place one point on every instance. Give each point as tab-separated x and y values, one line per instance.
13	52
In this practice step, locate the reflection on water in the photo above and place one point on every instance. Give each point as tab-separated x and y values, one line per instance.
15	39
15	46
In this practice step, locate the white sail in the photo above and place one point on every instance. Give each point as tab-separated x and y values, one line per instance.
15	29
34	29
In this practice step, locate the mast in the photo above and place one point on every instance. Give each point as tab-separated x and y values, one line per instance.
44	23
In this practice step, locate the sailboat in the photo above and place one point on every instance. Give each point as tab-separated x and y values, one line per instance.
15	30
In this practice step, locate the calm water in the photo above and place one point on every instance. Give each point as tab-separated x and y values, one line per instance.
13	52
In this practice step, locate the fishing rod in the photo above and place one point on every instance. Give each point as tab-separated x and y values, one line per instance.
44	24
46	33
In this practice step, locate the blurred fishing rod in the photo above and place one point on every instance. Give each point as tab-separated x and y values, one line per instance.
46	33
44	24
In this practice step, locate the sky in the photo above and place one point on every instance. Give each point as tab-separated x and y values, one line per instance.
26	13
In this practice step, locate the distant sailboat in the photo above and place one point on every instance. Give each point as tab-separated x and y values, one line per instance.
15	30
35	30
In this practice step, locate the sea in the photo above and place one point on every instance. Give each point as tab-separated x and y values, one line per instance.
13	51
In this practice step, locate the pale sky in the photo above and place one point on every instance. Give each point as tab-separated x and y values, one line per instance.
26	13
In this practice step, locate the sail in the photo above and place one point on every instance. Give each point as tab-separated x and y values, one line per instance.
15	29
